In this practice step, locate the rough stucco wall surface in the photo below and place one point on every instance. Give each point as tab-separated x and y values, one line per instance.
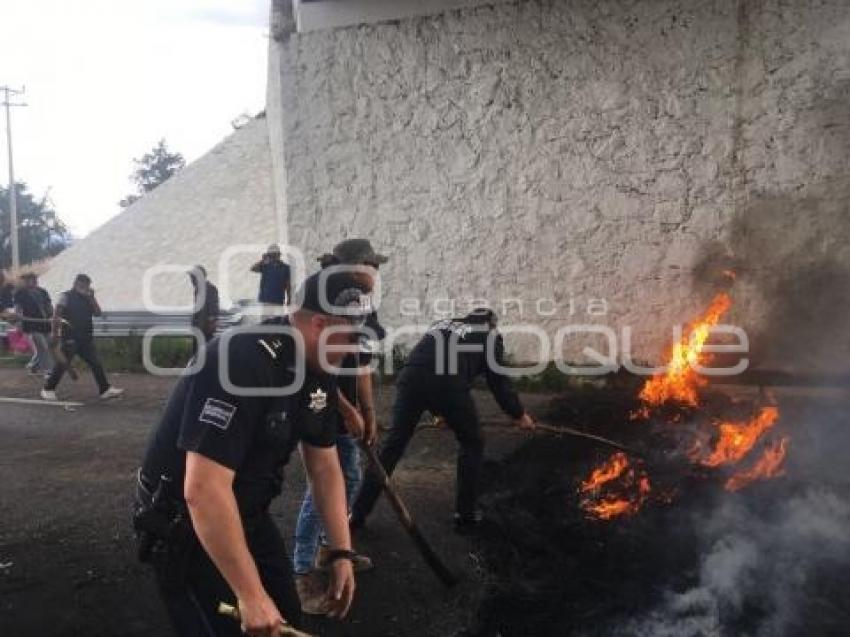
575	150
223	199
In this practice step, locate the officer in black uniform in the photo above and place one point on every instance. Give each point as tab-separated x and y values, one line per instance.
215	462
438	377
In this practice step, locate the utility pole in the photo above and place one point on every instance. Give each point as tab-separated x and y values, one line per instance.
13	204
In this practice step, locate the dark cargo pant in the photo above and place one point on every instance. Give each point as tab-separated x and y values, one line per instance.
193	590
85	349
418	390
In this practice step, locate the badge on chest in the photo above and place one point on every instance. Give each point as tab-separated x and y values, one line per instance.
318	400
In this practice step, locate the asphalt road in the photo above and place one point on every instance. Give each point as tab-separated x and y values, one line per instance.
67	563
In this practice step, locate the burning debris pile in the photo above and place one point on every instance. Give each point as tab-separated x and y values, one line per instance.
673	398
688	537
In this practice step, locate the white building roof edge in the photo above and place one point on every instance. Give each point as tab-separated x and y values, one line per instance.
316	15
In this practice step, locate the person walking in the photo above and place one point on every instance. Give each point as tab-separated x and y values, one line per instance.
34	309
73	332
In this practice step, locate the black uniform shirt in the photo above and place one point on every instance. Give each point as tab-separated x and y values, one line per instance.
78	311
468	360
253	435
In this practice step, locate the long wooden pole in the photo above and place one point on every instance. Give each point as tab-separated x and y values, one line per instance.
431	558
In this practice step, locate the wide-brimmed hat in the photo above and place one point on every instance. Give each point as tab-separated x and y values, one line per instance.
357	251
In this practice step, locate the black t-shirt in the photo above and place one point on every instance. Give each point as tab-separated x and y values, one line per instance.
78	312
467	359
253	435
34	303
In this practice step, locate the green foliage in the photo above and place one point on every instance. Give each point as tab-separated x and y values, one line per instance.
152	169
41	234
125	353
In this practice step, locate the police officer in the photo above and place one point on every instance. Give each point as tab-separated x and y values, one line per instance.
215	462
438	377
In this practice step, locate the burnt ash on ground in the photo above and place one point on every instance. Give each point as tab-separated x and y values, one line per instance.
549	570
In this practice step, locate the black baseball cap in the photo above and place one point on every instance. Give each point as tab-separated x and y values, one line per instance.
334	293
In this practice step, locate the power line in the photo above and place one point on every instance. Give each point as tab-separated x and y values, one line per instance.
8	92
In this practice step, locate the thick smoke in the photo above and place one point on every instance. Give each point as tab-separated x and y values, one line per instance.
770	562
775	558
792	260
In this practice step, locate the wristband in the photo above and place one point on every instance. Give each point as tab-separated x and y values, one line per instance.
340	554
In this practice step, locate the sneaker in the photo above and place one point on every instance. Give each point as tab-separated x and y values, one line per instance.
112	392
468	523
312	593
361	563
49	395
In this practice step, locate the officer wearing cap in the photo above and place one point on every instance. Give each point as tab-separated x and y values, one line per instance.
438	377
215	462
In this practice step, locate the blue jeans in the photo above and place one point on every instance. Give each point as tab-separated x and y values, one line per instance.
42	358
309	530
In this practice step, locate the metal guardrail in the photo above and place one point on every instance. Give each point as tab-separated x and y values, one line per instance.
136	322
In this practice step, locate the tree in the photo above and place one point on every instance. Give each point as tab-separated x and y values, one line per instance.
152	169
41	233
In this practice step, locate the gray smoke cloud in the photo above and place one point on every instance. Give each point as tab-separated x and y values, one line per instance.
776	558
750	557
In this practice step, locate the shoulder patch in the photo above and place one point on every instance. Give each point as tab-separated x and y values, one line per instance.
217	413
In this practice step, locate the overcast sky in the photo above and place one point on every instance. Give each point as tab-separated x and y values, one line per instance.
106	79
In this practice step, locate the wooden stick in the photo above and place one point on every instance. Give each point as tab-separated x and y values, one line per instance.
431	558
285	630
569	431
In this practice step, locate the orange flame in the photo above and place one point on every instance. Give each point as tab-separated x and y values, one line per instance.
679	383
738	438
768	466
618	474
615	488
611	470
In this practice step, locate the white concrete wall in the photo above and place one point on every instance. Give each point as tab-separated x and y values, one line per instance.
587	149
223	199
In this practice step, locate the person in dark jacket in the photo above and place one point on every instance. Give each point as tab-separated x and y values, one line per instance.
205	310
35	309
73	330
438	377
274	278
